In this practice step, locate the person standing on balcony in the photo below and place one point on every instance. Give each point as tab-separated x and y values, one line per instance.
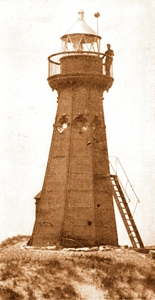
109	59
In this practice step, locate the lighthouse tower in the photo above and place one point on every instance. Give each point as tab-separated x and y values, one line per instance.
75	207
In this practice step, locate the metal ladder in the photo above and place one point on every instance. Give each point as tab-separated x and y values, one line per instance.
125	212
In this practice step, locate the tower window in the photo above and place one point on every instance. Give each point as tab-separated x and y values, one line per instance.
96	123
80	123
62	128
62	124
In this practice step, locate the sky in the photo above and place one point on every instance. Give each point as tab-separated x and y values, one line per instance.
30	31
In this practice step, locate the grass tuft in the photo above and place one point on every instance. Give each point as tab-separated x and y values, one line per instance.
9	294
13	240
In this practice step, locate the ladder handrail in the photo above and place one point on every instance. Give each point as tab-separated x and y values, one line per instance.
128	181
120	183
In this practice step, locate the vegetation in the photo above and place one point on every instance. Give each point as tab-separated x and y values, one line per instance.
33	274
14	240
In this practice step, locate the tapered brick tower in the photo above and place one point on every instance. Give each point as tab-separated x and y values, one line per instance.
75	207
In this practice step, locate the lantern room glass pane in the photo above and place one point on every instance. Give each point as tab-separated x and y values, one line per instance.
81	42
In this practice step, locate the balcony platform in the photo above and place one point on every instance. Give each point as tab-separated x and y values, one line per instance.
78	68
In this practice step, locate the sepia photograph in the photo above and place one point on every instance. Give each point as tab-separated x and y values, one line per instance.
77	151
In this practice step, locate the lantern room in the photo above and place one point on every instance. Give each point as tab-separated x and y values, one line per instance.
81	37
80	54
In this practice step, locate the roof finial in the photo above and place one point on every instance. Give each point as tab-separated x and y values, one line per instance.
81	14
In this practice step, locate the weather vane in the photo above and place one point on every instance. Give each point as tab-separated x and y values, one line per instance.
97	15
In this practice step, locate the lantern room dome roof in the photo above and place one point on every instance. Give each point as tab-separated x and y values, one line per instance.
80	27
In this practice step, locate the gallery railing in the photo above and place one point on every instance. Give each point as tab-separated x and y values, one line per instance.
54	61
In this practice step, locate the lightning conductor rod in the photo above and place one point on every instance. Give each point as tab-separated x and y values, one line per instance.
97	15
